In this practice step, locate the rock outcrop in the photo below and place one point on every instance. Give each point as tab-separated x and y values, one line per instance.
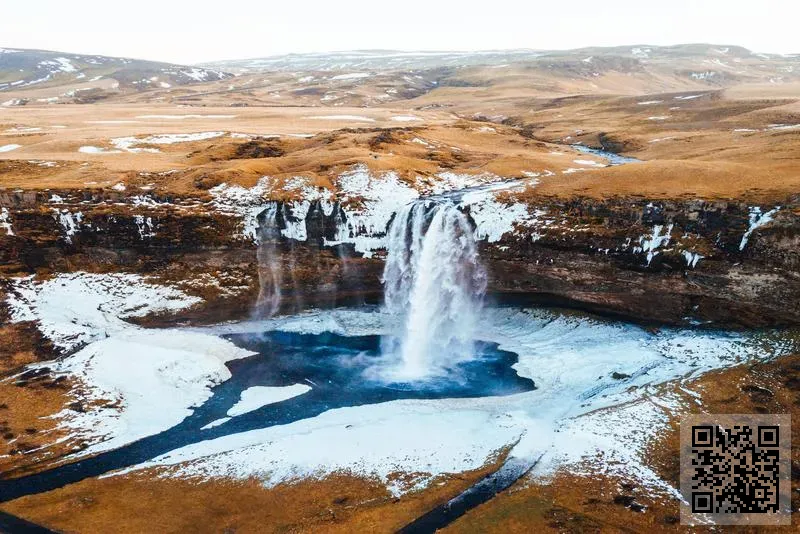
673	262
666	262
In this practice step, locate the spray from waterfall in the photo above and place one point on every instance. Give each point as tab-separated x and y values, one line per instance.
434	287
269	266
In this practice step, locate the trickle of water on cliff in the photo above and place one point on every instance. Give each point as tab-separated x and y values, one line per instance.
434	285
269	266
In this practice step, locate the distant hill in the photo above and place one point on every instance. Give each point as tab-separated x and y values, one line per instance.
709	62
373	60
22	70
379	77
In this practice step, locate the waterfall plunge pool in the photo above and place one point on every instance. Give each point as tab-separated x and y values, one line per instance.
306	404
351	370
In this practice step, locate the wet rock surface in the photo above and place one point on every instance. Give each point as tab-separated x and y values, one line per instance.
671	262
593	259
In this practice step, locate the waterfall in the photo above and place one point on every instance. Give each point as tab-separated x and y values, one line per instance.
434	285
269	266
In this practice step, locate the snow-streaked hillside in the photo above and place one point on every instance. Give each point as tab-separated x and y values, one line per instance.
33	69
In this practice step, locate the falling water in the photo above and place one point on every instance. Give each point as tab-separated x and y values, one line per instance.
269	267
434	285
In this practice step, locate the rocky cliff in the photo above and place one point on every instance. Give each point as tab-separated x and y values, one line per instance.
667	262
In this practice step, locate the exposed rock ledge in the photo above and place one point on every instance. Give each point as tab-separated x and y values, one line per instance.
668	262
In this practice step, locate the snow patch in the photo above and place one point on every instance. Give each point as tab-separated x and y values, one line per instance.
692	258
144	225
651	243
244	202
5	221
69	222
181	117
78	308
495	219
97	150
352	76
588	162
369	202
255	397
757	220
128	144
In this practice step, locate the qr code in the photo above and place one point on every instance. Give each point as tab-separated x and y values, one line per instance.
735	469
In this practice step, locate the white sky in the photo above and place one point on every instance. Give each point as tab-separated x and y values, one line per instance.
196	31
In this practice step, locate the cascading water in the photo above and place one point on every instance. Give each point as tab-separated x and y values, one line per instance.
434	286
269	267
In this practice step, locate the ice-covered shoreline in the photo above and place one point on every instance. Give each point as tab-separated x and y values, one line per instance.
138	382
133	382
572	418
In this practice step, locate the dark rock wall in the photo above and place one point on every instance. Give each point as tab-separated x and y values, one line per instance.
586	258
598	267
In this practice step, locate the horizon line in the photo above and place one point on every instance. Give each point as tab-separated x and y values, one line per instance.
404	51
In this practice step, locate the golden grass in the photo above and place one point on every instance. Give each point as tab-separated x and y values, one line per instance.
338	503
574	503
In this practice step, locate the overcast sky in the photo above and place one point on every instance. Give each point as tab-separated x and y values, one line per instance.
196	31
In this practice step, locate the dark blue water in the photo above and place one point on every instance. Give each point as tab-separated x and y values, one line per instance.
480	492
15	525
340	371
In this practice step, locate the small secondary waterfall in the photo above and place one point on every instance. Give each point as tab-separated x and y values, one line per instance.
269	265
434	285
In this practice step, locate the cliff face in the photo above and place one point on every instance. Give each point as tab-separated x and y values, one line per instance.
671	262
184	242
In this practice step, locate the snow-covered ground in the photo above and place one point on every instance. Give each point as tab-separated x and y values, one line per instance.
579	410
129	144
135	382
153	379
75	309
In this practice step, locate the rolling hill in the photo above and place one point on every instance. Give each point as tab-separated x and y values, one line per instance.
94	76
